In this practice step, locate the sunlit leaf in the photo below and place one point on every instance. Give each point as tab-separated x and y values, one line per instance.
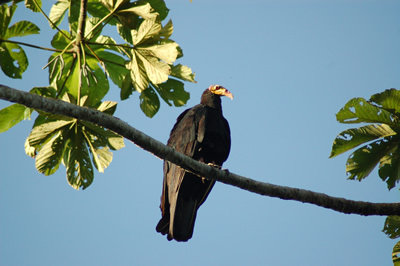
139	8
182	72
44	131
148	28
12	115
6	14
351	138
77	162
108	107
138	75
57	12
22	28
33	5
166	51
160	8
49	158
156	70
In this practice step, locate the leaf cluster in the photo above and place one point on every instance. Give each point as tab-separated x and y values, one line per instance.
81	66
379	138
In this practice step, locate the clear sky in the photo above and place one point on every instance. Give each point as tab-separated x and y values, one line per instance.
291	66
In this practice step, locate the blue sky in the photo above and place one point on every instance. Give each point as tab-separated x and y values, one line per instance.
291	66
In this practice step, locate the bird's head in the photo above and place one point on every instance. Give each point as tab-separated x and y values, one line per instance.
220	90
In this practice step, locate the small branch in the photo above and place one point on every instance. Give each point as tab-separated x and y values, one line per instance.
80	34
31	45
48	19
167	153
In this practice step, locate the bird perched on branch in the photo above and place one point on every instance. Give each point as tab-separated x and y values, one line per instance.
202	133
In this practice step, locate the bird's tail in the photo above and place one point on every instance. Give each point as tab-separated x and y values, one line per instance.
184	218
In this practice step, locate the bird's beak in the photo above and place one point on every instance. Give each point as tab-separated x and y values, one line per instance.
228	94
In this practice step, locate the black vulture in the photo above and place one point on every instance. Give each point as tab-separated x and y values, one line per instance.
202	133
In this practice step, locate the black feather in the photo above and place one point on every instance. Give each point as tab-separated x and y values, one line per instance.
203	134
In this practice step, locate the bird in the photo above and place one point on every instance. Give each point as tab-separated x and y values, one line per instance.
202	133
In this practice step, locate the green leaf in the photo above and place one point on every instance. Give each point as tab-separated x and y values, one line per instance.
6	14
13	60
22	28
126	87
33	5
108	107
160	7
173	91
49	158
183	72
361	163
358	110
389	168
115	66
149	102
166	31
139	8
57	12
59	40
389	100
77	162
43	132
395	254
139	78
101	155
166	51
104	137
12	115
156	70
351	138
392	226
148	28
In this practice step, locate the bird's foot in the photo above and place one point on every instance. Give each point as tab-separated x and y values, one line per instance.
214	165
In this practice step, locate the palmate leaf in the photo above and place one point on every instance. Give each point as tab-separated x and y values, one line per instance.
361	162
352	138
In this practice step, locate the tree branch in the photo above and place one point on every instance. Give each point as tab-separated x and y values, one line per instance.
167	153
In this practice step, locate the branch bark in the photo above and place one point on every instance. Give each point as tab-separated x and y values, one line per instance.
167	153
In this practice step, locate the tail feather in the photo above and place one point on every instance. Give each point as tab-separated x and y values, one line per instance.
184	219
